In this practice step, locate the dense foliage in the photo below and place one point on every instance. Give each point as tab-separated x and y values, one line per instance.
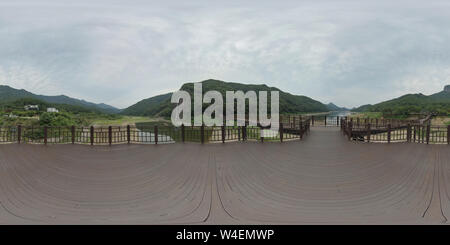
161	105
13	113
438	104
8	94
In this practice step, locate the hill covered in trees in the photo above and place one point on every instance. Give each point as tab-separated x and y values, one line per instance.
438	103
9	94
13	113
161	106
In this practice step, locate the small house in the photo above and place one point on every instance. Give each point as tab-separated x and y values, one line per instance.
52	109
31	107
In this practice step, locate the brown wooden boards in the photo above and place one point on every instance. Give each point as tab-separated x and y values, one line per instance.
324	179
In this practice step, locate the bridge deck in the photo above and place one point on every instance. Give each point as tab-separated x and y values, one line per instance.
323	179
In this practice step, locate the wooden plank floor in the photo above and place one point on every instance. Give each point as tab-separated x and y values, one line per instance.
323	179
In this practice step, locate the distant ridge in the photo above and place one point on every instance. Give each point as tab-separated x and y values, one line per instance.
333	107
161	106
413	103
8	93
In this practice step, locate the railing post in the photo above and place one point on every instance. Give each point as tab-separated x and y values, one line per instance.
19	133
223	134
292	122
357	122
408	133
368	132
422	134
128	134
376	123
301	129
350	127
92	135
448	134
414	136
72	130
281	130
337	121
202	133
261	135
244	133
312	120
182	133
110	135
239	133
156	134
428	133
325	121
389	133
45	135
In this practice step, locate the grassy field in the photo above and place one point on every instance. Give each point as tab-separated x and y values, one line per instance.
440	121
367	115
124	120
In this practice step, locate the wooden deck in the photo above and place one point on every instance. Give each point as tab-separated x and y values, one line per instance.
324	179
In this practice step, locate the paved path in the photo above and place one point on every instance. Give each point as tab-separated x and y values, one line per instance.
323	179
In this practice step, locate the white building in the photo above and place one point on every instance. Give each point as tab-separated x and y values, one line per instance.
31	107
51	109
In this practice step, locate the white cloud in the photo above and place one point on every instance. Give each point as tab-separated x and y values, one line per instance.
119	52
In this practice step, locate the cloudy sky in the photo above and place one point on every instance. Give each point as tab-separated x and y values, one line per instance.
120	52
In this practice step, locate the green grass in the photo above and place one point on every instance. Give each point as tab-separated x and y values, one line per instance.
122	121
367	115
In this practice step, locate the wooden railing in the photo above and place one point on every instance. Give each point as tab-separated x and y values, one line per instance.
152	135
324	120
390	131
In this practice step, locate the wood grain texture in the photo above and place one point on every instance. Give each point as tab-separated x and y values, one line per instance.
324	179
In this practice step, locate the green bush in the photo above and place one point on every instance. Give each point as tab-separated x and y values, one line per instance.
56	119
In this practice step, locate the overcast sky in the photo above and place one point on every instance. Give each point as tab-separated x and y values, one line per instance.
120	52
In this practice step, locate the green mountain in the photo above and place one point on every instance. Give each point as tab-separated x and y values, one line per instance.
18	105
438	103
156	105
8	94
333	107
362	108
161	106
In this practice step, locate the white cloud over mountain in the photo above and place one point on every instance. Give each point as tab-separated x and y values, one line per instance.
119	52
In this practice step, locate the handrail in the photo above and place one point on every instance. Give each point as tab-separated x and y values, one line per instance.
390	131
108	135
